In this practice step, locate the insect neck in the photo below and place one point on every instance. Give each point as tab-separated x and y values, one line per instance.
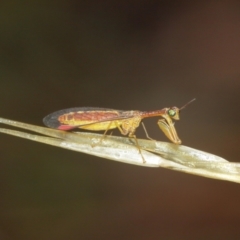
155	113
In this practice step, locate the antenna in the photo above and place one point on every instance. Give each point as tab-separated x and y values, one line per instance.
187	104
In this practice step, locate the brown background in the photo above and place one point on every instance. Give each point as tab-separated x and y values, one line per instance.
126	55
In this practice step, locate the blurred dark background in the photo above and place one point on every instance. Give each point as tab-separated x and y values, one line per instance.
129	55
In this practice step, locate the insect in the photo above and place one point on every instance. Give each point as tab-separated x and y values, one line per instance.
97	119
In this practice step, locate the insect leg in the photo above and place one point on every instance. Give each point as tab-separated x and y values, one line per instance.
131	135
104	135
169	130
121	130
145	130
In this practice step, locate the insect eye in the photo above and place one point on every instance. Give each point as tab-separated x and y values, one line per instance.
171	112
